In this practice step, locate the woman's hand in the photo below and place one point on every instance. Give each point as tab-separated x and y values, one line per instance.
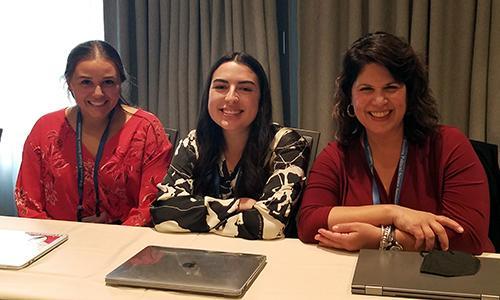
424	227
246	204
350	236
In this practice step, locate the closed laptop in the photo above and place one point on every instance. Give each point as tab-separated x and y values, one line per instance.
189	270
21	248
397	274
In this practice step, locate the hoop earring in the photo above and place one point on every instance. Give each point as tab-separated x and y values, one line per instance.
350	111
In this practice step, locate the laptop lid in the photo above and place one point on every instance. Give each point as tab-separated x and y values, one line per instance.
190	270
21	248
397	274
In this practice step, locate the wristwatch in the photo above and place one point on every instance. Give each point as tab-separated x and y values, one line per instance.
388	240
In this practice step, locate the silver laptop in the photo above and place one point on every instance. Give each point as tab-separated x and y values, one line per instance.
21	248
397	274
190	270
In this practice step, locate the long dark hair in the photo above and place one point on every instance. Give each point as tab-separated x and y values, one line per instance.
90	50
421	118
253	173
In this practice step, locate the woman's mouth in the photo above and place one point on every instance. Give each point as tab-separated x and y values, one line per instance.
97	103
380	114
231	112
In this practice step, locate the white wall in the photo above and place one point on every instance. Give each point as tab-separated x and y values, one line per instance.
36	37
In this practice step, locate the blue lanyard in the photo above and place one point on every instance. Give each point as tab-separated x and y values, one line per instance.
401	171
79	163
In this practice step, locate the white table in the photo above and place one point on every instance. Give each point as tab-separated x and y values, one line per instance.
76	269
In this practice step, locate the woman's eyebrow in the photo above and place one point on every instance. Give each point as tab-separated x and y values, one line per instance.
220	80
247	82
239	82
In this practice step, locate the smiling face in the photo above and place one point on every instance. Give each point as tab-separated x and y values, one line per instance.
233	99
95	85
379	101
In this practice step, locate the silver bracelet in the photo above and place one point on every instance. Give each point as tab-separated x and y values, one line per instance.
388	241
386	235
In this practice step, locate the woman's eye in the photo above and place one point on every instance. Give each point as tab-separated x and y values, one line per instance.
366	89
246	89
218	87
392	88
86	82
109	82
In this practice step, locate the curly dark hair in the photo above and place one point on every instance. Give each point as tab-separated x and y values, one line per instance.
421	117
253	172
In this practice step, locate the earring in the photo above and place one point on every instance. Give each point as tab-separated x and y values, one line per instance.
350	111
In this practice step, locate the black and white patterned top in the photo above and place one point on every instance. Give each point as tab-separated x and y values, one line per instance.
178	210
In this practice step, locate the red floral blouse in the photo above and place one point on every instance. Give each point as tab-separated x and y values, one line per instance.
134	160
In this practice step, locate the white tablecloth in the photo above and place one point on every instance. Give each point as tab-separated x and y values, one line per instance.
76	269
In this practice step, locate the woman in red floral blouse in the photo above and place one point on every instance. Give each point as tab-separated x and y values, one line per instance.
98	161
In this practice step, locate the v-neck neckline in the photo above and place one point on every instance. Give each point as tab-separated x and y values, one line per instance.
111	139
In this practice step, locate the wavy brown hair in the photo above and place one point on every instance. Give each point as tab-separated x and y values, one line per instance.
421	117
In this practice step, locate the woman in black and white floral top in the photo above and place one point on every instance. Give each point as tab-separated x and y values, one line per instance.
237	174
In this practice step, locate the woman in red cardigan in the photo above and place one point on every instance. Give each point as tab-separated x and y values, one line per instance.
97	161
394	179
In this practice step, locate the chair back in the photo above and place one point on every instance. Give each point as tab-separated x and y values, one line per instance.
312	137
172	136
488	155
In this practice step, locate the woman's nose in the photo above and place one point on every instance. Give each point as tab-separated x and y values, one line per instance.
380	98
98	91
231	95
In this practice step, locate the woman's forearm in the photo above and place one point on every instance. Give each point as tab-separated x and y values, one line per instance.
382	214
